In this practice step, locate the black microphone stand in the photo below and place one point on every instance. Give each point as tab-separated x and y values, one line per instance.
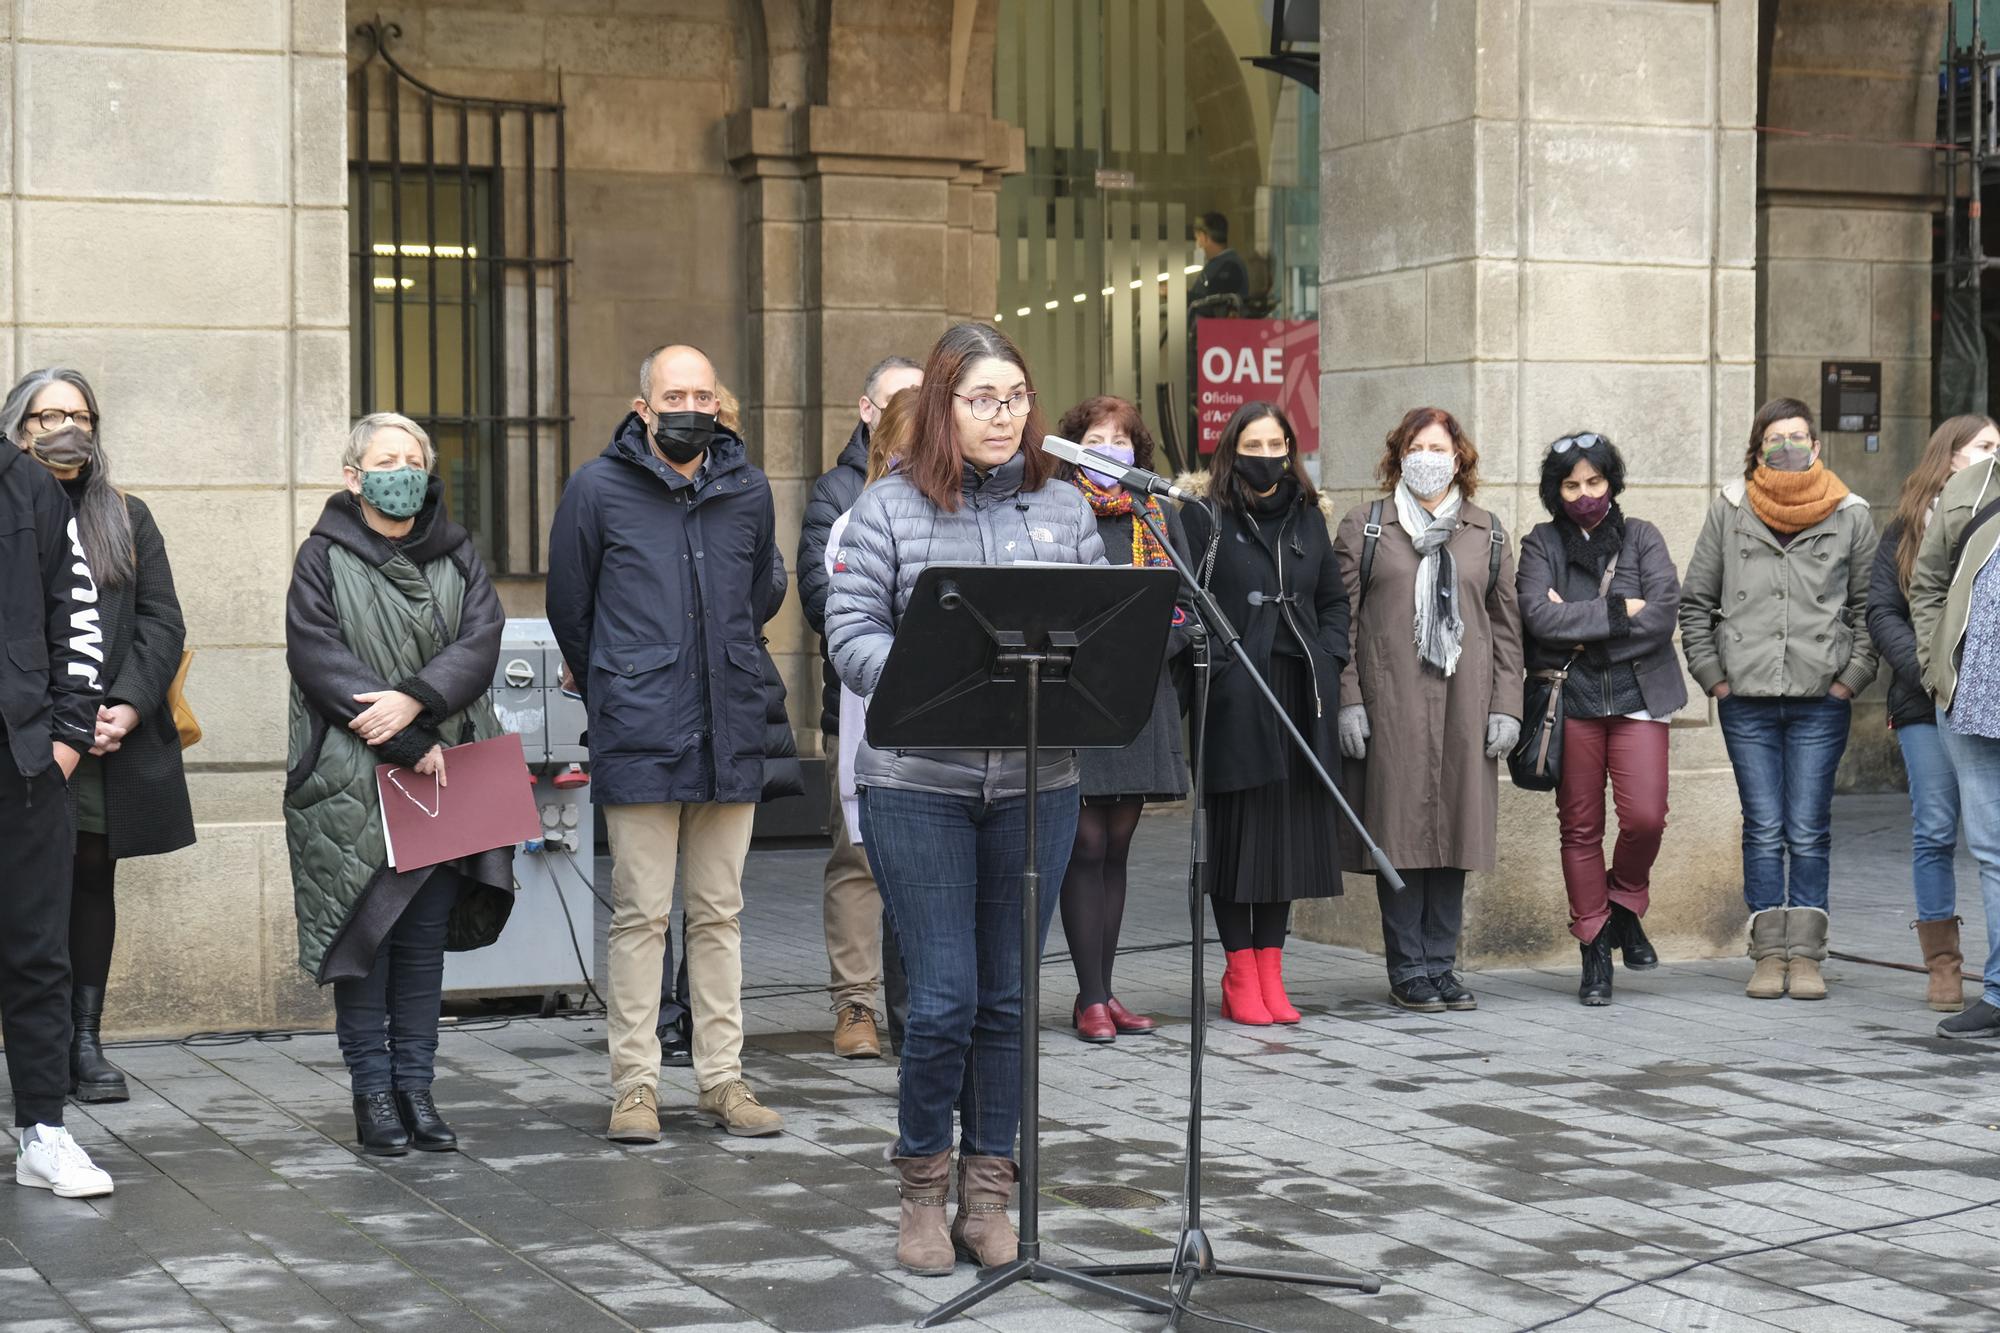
1194	1254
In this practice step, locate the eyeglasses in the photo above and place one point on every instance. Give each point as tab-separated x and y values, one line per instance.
1797	440
986	407
54	418
1589	440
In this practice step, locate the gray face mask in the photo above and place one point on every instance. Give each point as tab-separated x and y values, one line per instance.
70	447
1791	458
1427	474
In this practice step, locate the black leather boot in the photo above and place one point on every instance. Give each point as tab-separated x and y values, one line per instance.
428	1131
377	1126
1631	939
92	1077
1596	987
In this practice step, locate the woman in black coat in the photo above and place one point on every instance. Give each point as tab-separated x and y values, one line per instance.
1118	783
130	792
1273	829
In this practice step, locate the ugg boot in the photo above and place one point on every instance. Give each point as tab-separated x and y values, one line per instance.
1243	990
1767	946
1805	950
982	1231
94	1078
923	1245
1271	984
1939	941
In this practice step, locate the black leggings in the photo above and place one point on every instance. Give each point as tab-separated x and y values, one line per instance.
93	911
1093	893
1251	925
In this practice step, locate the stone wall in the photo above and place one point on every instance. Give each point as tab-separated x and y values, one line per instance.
1538	214
174	227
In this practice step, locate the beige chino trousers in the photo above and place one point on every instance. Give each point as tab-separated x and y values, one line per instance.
852	910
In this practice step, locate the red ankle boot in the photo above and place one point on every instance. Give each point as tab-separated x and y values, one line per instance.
1242	991
1271	981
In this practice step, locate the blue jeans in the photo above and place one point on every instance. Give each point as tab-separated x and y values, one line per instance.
387	1021
1933	820
950	870
1977	763
1785	752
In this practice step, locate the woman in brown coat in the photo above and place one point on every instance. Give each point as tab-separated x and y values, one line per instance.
1435	683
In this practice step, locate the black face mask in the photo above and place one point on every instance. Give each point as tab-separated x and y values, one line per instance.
1261	474
683	436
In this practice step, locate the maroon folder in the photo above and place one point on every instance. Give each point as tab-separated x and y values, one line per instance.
487	800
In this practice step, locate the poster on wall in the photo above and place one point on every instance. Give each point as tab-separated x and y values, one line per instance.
1240	361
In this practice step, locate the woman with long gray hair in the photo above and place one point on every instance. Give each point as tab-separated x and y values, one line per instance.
131	795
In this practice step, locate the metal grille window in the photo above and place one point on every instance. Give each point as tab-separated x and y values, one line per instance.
460	291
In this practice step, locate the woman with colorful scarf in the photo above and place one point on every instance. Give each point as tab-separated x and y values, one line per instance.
1772	624
1273	833
1118	783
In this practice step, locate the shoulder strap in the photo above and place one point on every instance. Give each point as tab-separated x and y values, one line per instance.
1979	520
1371	536
1497	549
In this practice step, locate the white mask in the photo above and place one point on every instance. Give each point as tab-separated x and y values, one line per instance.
1427	474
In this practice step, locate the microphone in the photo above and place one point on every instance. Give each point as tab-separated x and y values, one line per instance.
1131	478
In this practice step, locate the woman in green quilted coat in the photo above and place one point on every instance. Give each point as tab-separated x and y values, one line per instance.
392	633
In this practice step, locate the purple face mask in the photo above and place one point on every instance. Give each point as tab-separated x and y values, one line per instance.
1587	511
1122	452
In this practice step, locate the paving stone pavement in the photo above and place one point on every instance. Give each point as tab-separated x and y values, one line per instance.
1498	1170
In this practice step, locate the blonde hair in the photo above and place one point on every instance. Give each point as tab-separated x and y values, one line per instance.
891	436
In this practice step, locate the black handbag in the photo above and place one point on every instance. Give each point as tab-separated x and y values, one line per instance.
1535	763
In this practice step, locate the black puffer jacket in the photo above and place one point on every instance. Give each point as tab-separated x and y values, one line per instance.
1910	704
51	643
832	495
659	589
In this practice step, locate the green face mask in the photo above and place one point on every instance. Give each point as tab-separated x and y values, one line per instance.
397	492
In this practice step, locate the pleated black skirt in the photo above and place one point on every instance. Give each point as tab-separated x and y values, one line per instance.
1279	842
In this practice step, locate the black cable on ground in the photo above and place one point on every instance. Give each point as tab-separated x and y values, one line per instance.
1686	1268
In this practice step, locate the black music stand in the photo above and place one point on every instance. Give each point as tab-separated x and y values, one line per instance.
1009	657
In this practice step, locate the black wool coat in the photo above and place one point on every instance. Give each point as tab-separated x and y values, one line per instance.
1244	746
145	788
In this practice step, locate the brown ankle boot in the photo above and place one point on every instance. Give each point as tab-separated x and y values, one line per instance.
1939	941
923	1246
982	1231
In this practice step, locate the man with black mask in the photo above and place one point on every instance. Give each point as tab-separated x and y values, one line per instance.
663	569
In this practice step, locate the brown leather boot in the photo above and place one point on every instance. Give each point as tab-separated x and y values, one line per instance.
982	1231
1939	941
923	1246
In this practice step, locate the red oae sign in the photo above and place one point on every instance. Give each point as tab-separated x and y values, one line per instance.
1240	361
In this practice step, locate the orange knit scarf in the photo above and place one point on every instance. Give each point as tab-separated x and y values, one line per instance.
1790	502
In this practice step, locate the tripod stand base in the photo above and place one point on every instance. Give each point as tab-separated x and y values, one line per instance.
1195	1259
993	1281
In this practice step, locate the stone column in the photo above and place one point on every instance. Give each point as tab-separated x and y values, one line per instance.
1538	215
1844	221
177	182
872	230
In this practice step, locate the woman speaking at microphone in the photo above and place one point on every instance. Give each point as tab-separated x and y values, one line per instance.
946	830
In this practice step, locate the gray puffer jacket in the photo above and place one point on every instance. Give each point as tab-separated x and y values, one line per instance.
893	533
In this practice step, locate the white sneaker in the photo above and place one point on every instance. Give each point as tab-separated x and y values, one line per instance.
51	1160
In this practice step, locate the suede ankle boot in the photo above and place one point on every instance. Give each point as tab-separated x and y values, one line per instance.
1271	984
1767	946
1243	990
923	1245
982	1231
1944	961
1805	950
92	1077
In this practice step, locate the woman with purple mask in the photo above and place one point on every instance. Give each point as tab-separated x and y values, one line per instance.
1600	596
1118	783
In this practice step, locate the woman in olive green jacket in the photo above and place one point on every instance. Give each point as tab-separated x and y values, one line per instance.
1772	623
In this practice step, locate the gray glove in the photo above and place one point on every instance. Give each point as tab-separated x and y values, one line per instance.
1503	733
1354	731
